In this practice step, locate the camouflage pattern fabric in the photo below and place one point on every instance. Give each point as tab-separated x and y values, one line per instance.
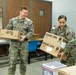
69	34
18	48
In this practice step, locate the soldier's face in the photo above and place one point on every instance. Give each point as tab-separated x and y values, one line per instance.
62	22
24	13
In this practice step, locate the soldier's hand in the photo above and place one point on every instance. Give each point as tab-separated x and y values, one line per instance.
61	55
22	38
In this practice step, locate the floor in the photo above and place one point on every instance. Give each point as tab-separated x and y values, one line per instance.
35	68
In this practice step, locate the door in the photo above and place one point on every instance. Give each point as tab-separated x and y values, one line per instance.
41	16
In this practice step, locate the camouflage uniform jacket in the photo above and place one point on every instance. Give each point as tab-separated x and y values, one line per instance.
67	33
23	25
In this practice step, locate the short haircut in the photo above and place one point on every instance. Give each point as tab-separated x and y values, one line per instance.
61	17
24	7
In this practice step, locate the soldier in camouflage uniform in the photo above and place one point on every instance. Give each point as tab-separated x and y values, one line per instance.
20	48
68	33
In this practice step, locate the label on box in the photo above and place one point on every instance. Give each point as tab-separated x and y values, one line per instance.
63	44
49	49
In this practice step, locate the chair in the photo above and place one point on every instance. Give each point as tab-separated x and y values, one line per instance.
33	46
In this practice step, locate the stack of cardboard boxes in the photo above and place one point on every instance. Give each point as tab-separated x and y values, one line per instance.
53	44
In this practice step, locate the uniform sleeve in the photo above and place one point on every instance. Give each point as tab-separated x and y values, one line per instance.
10	25
71	41
30	30
54	31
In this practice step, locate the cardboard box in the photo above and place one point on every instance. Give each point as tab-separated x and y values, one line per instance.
52	49
55	39
53	45
52	68
11	34
67	71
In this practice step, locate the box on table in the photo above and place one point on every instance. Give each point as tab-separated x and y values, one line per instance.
11	34
51	68
67	71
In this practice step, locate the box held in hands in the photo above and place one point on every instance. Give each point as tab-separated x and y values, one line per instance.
53	45
11	34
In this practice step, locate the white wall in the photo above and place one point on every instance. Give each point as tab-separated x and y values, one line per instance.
65	7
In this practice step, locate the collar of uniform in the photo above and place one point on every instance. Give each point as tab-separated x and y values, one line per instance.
63	28
21	20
